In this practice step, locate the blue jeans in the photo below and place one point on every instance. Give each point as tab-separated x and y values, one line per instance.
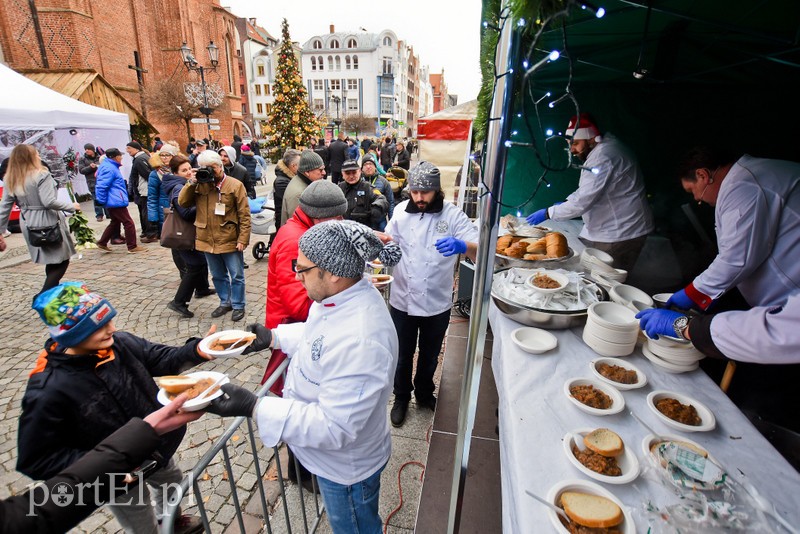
227	273
353	509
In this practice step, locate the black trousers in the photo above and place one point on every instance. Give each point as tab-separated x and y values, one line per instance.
193	277
54	272
430	332
148	229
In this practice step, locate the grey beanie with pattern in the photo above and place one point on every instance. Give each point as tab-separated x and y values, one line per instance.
343	248
424	177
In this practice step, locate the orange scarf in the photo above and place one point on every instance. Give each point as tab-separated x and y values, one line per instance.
104	355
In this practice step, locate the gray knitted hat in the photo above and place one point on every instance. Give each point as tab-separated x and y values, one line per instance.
343	247
309	160
323	199
424	177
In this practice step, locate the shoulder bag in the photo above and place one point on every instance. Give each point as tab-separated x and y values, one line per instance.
43	236
177	233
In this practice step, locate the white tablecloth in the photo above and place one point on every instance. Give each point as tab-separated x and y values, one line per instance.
535	414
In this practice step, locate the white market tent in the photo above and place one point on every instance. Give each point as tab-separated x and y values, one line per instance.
34	114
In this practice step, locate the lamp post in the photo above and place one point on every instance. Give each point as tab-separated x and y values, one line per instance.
337	121
192	64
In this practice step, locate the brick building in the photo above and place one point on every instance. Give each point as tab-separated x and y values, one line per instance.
441	98
112	38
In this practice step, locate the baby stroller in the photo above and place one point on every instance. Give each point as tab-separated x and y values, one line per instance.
262	220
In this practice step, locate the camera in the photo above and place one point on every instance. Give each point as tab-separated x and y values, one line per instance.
204	175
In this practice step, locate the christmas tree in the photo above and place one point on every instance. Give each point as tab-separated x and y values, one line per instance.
291	123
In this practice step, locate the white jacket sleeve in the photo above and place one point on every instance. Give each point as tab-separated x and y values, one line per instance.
590	188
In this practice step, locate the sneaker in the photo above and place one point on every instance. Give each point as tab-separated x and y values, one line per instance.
136	249
104	248
149	239
7	233
188	524
221	310
180	308
398	414
100	218
118	241
427	402
200	293
238	315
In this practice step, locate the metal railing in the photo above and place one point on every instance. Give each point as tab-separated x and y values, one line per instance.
177	497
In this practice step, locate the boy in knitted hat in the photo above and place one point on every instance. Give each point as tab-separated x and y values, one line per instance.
89	380
311	169
333	410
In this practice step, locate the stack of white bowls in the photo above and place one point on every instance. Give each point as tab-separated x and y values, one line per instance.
611	329
597	262
630	297
672	356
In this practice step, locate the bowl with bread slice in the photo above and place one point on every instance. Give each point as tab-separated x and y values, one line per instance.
227	343
196	385
601	454
588	505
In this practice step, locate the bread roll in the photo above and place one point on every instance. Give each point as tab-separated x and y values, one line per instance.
503	242
591	511
517	250
534	257
604	442
556	245
177	383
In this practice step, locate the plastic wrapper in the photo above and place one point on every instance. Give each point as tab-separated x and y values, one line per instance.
510	284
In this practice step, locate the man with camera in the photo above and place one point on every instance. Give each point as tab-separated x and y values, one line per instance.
223	229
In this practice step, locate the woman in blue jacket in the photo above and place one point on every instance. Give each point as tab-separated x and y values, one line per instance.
112	193
157	199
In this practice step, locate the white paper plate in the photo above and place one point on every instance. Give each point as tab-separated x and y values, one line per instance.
627	460
194	404
206	343
534	340
381	283
669	367
708	421
584	486
686	482
611	335
617	400
621	363
605	348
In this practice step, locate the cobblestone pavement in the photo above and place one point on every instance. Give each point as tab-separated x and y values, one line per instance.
140	286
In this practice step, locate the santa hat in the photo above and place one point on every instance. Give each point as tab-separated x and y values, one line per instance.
586	129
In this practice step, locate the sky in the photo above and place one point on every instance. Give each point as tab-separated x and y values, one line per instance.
444	33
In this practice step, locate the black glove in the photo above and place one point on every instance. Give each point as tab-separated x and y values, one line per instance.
236	401
263	338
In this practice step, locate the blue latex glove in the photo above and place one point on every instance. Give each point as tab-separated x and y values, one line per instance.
447	246
658	322
680	300
537	217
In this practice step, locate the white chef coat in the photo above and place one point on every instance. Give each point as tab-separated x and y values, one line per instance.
423	280
333	410
612	202
766	334
758	232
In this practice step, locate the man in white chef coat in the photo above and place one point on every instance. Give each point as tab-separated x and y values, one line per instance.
757	214
610	196
431	233
342	361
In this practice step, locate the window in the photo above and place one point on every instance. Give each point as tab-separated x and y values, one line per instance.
334	44
387	65
260	108
387	41
387	85
336	85
229	64
258	90
355	62
269	109
266	89
386	105
330	62
244	108
319	104
338	63
347	62
352	84
316	45
352	104
319	60
241	89
318	85
260	69
351	43
313	63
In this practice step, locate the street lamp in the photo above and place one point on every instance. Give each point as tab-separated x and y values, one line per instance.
192	64
337	121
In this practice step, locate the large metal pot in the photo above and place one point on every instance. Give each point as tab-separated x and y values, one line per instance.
541	318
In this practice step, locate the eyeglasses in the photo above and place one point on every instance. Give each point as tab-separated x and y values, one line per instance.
301	271
165	155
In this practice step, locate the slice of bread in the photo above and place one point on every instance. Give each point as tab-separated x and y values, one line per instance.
604	442
235	340
177	383
591	511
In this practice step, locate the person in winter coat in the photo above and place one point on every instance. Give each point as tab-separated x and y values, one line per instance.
33	189
369	172
388	152
191	264
87	166
365	204
236	170
88	381
285	170
237	146
112	193
403	157
337	154
137	185
352	150
157	200
96	478
372	154
223	230
249	162
310	169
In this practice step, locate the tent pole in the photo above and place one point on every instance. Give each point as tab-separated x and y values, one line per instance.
494	169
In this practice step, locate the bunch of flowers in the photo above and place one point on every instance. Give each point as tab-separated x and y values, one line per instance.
71	162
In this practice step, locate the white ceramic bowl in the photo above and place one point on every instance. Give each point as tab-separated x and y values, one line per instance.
617	400
680	356
194	405
684	482
669	367
584	486
613	315
661	299
641	377
610	334
625	295
590	254
708	421
627	461
534	340
562	280
206	342
604	348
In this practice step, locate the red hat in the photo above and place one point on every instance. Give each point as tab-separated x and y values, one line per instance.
587	129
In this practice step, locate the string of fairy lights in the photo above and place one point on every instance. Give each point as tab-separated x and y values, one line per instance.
540	137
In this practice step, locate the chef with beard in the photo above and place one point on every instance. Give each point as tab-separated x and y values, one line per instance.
610	196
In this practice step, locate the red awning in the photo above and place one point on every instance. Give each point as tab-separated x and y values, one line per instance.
444	130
